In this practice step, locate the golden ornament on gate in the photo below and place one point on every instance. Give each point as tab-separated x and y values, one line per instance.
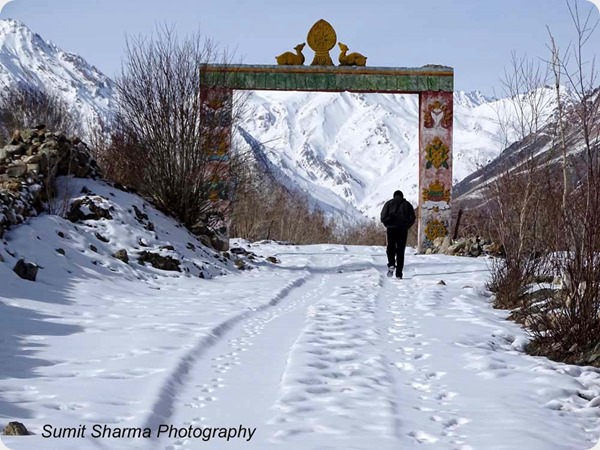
322	38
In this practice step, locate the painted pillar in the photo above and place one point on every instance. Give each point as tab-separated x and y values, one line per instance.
435	166
216	120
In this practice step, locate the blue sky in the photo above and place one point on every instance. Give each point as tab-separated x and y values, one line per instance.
476	37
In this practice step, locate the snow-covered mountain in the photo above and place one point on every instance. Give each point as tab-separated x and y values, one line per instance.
347	151
541	149
360	147
25	57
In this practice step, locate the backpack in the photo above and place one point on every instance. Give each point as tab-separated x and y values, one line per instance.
400	215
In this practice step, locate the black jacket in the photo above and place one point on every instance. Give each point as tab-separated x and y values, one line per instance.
398	213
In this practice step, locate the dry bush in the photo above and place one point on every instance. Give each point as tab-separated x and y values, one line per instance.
517	208
364	233
123	161
569	327
263	209
24	106
548	223
522	218
161	140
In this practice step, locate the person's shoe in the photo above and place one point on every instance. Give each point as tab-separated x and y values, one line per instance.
390	272
399	275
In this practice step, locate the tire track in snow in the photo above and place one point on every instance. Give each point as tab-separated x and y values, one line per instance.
241	361
178	378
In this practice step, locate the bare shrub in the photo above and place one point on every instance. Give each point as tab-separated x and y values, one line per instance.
569	328
546	211
517	207
266	210
160	146
369	232
24	106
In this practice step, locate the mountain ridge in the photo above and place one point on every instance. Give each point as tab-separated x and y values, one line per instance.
348	151
27	58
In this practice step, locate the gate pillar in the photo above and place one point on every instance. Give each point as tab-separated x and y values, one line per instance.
216	120
435	166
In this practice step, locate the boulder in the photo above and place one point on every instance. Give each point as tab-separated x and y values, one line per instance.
445	245
16	170
122	255
15	429
159	262
26	270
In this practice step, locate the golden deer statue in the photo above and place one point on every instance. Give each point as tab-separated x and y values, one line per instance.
353	59
292	59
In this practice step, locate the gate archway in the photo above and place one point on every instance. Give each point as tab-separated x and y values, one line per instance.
434	85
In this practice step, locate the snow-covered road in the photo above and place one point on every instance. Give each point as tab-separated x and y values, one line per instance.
320	352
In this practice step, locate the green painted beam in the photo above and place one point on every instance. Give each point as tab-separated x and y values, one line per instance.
329	78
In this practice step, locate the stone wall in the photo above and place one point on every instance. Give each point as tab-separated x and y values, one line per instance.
29	163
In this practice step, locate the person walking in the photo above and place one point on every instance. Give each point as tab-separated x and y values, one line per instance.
397	215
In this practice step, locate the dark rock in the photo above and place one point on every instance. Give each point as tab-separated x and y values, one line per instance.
95	212
190	246
85	190
139	214
238	251
61	234
142	242
159	262
240	264
120	187
122	255
15	429
93	248
102	238
205	240
16	170
475	250
61	251
273	260
442	283
14	150
26	270
219	243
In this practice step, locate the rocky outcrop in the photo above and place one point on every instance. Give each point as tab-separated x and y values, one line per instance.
29	164
89	208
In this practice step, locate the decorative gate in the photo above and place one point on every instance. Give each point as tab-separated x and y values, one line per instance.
433	83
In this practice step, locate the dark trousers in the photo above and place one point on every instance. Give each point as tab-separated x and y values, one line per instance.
396	244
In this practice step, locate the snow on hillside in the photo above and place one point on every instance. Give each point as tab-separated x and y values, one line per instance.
361	147
321	351
25	57
66	250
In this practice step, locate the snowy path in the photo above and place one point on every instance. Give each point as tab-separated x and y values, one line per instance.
321	352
